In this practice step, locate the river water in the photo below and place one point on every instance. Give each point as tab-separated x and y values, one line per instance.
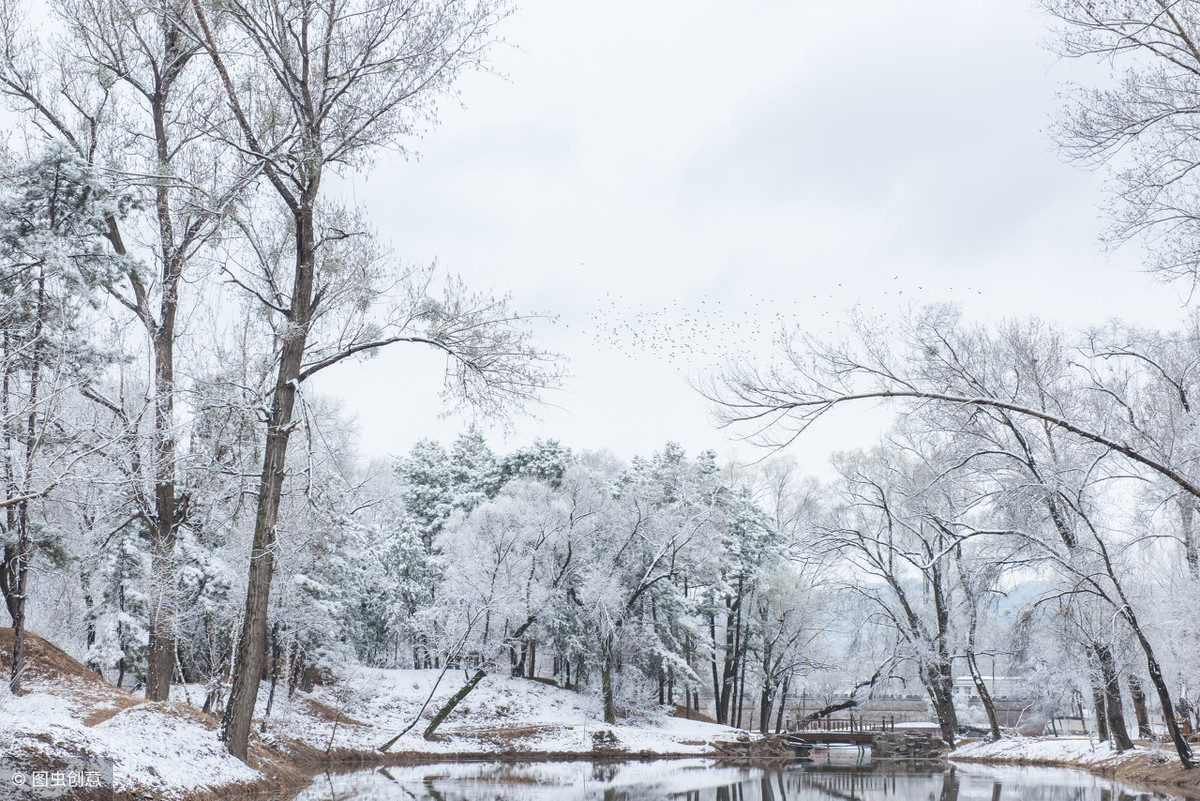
702	780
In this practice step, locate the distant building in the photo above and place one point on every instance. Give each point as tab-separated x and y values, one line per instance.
1001	688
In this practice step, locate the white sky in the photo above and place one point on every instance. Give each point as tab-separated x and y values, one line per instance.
674	180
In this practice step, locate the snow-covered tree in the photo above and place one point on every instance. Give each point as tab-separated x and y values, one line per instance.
120	613
897	541
122	85
53	216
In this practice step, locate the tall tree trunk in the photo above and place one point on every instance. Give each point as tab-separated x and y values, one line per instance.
164	523
273	670
8	418
160	656
1101	712
782	703
733	630
985	696
1191	537
766	696
765	703
235	725
23	550
1164	698
1155	672
741	684
942	675
174	246
18	613
940	684
606	687
1159	683
1113	707
712	661
1139	706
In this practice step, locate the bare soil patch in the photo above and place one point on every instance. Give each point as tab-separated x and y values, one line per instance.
681	711
329	714
503	737
46	661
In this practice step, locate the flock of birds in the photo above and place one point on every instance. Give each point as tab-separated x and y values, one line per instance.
709	331
690	335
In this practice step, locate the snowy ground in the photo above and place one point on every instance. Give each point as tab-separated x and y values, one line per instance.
1081	751
170	751
500	714
72	732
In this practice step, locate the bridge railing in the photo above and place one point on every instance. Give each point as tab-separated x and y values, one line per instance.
850	724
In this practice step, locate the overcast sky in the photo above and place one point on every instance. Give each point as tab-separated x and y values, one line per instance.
676	180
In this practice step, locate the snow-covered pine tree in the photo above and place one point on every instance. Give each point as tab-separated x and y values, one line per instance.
120	613
54	212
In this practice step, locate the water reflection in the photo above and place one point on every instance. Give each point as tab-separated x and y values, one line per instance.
701	780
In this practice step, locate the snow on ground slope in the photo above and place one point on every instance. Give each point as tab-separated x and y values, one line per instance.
159	749
1081	751
369	706
70	720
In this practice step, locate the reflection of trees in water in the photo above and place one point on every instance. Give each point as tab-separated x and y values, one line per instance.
604	771
857	785
820	784
433	793
848	786
949	786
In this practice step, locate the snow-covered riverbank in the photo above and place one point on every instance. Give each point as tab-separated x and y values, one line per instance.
1083	751
72	722
1153	764
370	706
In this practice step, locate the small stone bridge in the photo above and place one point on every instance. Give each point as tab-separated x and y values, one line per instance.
880	735
841	731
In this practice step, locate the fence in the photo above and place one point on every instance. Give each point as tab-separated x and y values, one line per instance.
850	724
